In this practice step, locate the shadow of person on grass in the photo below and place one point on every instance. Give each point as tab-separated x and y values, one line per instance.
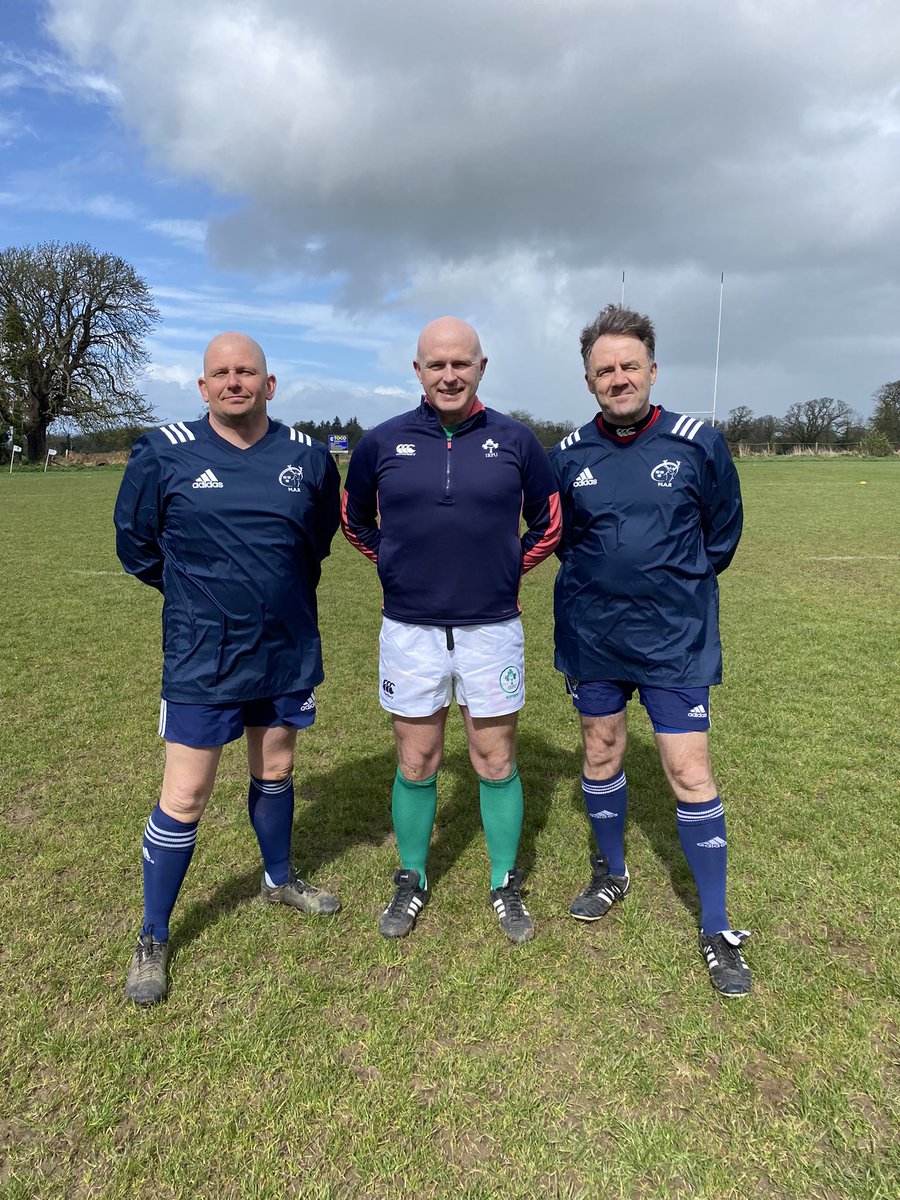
349	804
336	809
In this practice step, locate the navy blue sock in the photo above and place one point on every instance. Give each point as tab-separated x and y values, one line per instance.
270	804
606	801
701	828
168	848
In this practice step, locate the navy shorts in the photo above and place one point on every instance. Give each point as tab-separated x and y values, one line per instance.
215	724
671	710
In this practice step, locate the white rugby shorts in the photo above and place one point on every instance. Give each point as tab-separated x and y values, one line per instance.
420	673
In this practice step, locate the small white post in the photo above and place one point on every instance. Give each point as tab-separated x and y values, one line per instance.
12	458
50	454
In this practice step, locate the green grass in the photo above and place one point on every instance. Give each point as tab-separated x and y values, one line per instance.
313	1059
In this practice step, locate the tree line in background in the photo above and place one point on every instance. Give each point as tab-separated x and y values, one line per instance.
72	327
824	422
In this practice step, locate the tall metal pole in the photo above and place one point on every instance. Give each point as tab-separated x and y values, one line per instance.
718	344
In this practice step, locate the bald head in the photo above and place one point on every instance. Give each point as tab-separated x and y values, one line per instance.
448	329
231	344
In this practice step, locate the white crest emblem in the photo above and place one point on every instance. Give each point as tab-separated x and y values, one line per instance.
291	478
407	449
663	473
490	448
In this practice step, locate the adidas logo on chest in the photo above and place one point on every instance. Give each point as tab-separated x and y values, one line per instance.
207	480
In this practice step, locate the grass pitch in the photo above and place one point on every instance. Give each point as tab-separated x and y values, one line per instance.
311	1058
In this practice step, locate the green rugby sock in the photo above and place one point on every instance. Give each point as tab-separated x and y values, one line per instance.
502	808
413	807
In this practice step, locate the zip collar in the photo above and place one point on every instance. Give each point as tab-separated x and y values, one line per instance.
430	414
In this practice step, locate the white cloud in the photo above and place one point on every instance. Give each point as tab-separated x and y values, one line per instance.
12	127
174	373
190	234
508	161
109	208
53	74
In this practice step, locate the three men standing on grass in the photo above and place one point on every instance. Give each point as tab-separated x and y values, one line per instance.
651	516
230	518
435	497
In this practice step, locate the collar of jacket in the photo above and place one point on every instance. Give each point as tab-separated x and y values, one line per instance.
430	414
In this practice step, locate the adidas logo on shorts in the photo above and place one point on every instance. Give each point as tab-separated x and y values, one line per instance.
698	712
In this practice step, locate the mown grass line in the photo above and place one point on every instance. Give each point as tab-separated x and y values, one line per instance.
314	1059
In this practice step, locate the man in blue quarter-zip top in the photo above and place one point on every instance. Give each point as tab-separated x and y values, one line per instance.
651	516
229	517
436	498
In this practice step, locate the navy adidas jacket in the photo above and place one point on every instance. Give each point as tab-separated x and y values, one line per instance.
442	516
234	540
649	521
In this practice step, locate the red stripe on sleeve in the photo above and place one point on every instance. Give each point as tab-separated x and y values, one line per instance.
545	547
349	534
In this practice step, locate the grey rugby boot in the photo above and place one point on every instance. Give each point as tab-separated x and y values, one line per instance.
298	894
147	983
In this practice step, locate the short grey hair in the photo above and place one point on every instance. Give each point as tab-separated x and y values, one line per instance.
621	322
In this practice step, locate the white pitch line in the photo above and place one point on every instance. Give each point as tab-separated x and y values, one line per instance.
854	558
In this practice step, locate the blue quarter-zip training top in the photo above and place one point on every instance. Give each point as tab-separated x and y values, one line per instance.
441	516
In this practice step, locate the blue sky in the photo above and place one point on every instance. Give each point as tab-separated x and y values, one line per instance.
330	177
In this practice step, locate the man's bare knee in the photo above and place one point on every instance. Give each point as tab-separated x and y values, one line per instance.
494	765
416	767
277	770
692	781
184	803
604	741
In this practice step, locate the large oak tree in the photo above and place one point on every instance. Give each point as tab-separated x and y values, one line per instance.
72	336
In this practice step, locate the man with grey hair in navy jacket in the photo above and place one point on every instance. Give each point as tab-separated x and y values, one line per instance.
651	516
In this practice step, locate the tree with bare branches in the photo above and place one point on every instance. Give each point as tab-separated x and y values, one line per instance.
738	424
824	420
72	327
